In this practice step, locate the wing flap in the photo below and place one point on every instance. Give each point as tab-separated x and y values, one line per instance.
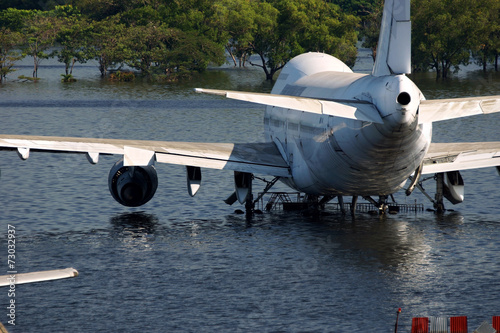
263	158
444	157
357	110
444	109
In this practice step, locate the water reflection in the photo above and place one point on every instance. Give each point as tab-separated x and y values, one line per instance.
136	223
398	244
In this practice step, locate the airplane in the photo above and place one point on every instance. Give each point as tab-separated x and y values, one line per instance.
329	132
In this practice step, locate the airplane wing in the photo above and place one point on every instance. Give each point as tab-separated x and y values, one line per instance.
359	110
444	157
444	109
263	158
6	280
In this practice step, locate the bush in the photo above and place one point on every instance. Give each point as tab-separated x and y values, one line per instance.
122	76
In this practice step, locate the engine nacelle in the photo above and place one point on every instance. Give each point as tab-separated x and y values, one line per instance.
132	186
453	187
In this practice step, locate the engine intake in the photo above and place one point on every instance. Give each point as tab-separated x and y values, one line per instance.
132	186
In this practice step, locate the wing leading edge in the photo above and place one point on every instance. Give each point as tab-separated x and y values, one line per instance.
263	158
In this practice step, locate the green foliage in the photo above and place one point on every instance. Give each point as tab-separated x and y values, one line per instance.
73	35
68	78
371	27
286	28
122	76
359	8
41	32
15	19
169	39
487	48
9	40
107	44
446	31
28	78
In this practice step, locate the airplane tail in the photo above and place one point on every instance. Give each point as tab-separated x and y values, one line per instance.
394	43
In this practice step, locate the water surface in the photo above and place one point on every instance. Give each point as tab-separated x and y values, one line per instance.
181	264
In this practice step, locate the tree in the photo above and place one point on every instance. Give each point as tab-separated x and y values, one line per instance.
158	48
107	43
265	41
99	10
9	40
290	27
358	8
370	27
192	52
237	17
16	19
487	46
73	34
41	32
147	45
445	32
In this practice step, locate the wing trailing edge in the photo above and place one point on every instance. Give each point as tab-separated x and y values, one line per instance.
263	158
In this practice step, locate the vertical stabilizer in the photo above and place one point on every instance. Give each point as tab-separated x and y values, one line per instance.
394	43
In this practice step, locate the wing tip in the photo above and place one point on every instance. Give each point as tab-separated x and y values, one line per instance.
210	91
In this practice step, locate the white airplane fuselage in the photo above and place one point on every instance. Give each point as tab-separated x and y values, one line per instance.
331	155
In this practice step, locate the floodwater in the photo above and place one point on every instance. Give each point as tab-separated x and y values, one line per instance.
182	264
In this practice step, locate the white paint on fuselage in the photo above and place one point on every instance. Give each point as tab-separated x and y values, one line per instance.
333	155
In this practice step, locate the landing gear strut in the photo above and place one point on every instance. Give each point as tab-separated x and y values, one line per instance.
381	203
439	197
438	201
244	194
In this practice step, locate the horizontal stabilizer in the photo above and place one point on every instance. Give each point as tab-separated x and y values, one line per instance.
444	109
6	280
357	110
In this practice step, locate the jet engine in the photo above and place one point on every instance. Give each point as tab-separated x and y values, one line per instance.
132	186
453	187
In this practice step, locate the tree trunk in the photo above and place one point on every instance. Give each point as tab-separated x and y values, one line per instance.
232	55
72	65
35	68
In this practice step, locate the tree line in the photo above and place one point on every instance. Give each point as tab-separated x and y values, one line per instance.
446	33
173	38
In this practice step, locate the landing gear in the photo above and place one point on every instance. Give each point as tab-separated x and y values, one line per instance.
382	203
439	197
243	191
353	205
438	201
449	185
